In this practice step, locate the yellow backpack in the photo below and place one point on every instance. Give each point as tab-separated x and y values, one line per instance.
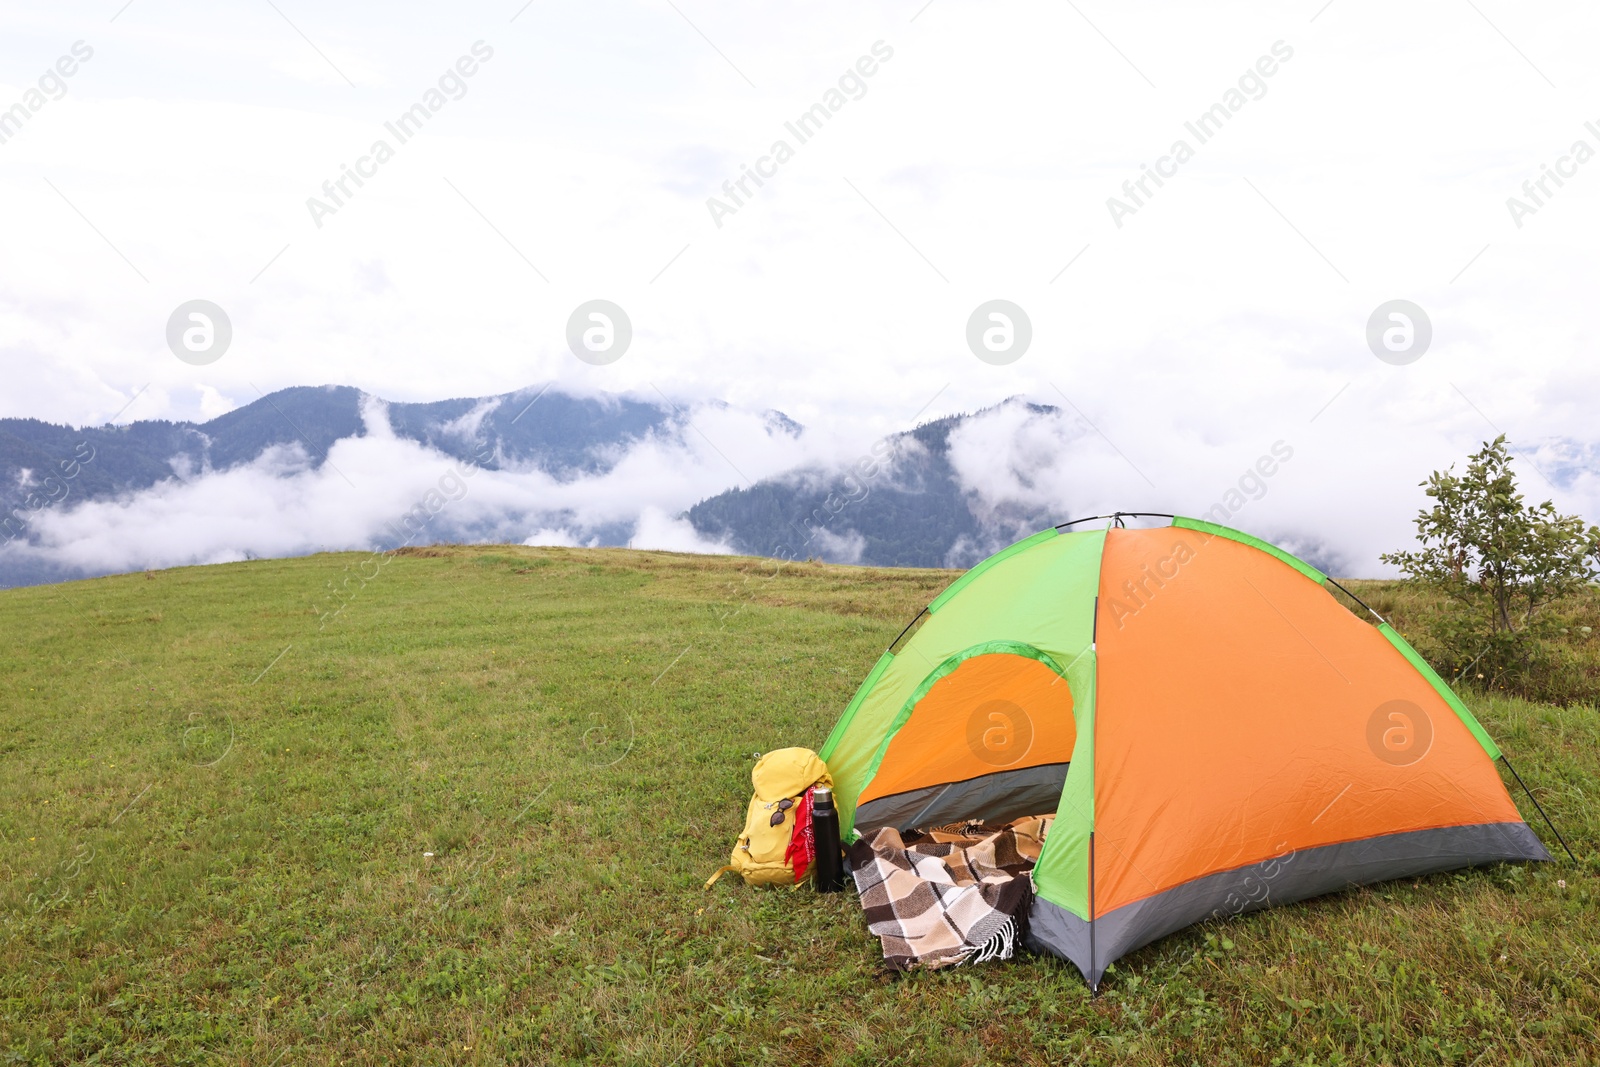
778	776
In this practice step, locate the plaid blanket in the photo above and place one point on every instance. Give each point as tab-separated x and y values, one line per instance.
950	895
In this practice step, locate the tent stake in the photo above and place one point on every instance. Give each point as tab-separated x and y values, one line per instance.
1539	806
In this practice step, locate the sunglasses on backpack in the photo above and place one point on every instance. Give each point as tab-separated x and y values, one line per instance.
783	805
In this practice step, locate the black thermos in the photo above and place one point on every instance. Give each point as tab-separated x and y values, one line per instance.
825	829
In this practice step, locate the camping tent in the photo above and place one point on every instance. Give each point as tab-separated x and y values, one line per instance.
1214	731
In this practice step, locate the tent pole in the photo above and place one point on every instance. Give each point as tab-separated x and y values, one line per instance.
1503	759
907	630
1094	984
1539	806
1129	514
1357	599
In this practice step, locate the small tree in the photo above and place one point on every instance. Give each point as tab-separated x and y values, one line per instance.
1501	563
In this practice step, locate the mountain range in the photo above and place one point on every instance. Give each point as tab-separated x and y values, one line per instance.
569	437
331	468
900	504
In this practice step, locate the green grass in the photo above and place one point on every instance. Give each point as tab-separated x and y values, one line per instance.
216	817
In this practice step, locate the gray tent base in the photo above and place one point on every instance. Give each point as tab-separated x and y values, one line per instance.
1284	880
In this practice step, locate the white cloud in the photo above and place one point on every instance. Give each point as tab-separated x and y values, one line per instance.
284	504
659	530
213	403
547	537
1021	467
846	547
1220	318
466	427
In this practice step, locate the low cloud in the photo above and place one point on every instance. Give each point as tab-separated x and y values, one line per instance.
548	538
378	490
1338	502
657	529
845	547
1336	499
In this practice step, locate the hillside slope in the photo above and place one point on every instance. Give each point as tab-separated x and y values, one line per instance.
466	819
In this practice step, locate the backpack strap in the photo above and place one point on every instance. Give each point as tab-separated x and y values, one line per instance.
720	872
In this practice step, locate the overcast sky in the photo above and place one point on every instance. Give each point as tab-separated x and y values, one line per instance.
1226	311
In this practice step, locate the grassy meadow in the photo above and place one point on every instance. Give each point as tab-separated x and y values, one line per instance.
467	819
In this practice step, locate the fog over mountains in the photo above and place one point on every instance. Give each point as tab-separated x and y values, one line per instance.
323	468
313	468
310	469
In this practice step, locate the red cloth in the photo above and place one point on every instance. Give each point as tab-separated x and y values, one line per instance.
802	850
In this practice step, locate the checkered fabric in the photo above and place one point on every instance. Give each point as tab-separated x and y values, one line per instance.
950	895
